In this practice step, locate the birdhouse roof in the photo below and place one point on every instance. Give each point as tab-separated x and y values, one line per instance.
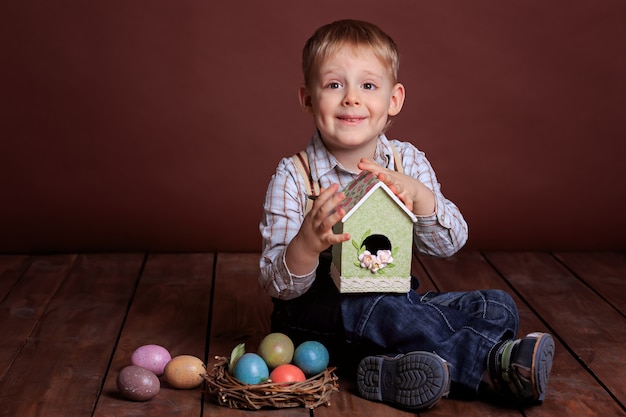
359	190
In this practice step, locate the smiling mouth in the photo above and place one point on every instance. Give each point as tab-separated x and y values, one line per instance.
351	119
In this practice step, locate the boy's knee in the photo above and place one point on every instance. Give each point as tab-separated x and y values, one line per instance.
504	298
506	301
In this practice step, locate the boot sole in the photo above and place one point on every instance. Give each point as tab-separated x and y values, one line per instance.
416	380
543	355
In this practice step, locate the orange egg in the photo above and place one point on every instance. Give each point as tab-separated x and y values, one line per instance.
184	372
287	373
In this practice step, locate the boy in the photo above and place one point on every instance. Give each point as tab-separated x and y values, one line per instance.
351	90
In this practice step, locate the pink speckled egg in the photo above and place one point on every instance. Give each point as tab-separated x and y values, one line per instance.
151	357
137	383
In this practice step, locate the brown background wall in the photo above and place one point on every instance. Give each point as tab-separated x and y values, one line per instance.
155	125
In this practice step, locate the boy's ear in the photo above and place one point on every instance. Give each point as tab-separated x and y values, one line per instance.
397	99
305	99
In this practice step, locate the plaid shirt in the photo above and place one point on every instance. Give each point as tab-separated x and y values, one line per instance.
441	234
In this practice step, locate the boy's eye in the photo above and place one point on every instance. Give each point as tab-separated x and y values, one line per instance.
369	86
333	85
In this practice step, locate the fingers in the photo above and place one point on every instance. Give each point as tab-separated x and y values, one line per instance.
383	174
369	165
326	194
397	182
324	211
323	216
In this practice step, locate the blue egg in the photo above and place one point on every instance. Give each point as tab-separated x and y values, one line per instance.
311	357
251	369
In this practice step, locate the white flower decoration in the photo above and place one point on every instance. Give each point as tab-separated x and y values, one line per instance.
367	259
384	256
375	262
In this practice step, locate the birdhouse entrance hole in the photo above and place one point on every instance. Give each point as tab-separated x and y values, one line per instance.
374	243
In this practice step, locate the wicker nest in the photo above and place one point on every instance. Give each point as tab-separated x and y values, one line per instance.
229	392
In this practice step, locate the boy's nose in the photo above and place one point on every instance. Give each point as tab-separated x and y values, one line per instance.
351	98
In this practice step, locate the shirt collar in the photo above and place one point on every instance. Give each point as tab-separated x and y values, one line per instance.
323	161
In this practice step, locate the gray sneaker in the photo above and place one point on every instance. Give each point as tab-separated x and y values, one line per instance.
416	380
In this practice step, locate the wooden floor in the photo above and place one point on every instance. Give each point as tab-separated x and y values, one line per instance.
69	322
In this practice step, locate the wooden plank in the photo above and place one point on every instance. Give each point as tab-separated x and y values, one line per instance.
60	369
425	281
348	402
583	321
11	269
65	333
170	308
24	305
241	310
605	272
241	314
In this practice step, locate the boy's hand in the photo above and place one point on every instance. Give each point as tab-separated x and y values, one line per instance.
316	232
416	196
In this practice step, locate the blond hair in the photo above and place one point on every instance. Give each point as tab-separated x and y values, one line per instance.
328	38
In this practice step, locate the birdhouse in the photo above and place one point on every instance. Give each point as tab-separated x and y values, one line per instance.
378	256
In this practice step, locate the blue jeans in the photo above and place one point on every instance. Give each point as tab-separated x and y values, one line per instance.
460	327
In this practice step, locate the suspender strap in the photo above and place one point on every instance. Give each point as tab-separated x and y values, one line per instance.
301	160
397	160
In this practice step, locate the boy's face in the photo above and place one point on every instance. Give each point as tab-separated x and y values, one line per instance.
351	96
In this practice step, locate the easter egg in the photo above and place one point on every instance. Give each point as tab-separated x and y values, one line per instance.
137	383
276	349
287	373
312	357
184	372
151	357
251	369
